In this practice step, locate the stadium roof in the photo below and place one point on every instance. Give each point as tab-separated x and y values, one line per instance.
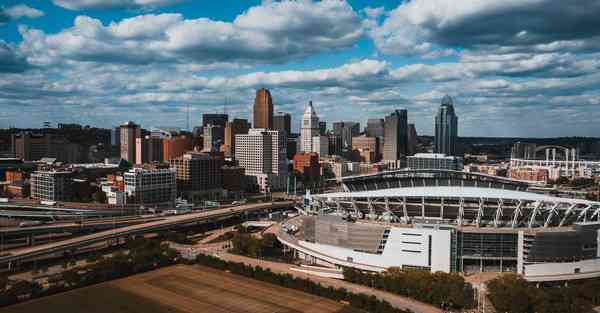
455	192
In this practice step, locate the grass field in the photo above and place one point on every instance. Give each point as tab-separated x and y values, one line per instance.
180	289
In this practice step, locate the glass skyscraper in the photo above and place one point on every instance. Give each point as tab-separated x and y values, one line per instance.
446	128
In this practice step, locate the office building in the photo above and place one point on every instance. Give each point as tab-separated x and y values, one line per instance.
214	137
176	146
214	119
438	161
51	185
148	149
412	139
307	164
335	144
283	122
235	127
320	145
367	148
129	133
150	186
233	180
375	128
446	128
346	130
322	128
35	146
395	136
262	154
199	175
309	128
263	109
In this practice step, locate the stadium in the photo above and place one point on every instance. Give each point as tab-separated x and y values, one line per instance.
447	221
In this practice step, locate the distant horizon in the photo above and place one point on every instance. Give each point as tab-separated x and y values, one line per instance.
514	69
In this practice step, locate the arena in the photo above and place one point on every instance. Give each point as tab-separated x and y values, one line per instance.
448	221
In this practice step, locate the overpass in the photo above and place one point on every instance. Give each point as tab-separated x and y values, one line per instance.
166	223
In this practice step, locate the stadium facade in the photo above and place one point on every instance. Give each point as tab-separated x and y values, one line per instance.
448	221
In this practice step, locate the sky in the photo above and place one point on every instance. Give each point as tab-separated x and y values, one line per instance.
521	68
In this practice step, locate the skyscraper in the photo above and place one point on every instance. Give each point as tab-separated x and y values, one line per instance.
236	127
396	135
214	137
262	153
309	128
214	119
412	139
283	122
263	109
346	130
375	128
129	133
446	128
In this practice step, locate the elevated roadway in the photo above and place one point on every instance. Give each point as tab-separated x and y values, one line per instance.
166	223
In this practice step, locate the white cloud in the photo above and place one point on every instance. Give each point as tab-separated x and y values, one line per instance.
422	26
113	4
270	33
22	10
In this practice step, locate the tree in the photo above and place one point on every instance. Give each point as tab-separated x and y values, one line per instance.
512	294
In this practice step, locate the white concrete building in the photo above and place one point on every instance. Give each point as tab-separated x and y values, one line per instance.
309	128
263	155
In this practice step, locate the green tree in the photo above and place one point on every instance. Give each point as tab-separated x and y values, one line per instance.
512	294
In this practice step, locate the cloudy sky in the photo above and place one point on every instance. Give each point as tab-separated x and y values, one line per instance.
513	67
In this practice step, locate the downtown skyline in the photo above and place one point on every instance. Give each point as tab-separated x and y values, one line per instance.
516	68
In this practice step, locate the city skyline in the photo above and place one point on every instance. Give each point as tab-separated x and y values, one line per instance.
68	61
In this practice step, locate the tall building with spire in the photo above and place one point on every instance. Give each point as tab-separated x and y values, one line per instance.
309	128
446	128
263	109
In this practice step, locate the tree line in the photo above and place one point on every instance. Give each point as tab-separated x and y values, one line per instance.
443	290
512	294
358	301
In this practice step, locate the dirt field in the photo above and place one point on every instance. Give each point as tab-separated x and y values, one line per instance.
180	289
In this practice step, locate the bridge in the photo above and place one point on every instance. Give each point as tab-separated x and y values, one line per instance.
138	229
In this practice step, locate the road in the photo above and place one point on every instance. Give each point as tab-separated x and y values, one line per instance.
167	222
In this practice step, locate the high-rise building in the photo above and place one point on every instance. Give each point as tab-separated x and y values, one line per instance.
375	128
308	165
262	153
322	128
309	128
396	136
214	137
412	139
320	145
335	144
214	119
235	127
367	148
283	123
199	175
176	146
32	147
446	128
346	130
263	109
129	132
148	149
150	186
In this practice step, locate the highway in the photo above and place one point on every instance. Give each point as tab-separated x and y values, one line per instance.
167	222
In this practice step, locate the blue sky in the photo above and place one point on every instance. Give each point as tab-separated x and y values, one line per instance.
514	68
